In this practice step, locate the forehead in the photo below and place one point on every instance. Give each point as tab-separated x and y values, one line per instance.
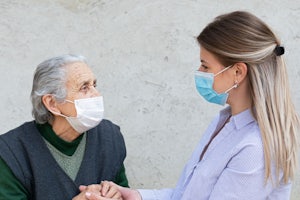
207	57
77	73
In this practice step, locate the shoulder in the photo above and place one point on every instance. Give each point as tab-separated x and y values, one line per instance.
13	148
247	130
18	132
14	142
250	135
107	129
106	126
107	135
248	153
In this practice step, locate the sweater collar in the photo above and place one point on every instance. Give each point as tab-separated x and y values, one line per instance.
63	146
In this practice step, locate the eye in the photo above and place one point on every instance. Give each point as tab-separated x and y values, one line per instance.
203	68
84	88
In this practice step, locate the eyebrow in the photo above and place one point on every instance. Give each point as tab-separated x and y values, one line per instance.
87	82
203	61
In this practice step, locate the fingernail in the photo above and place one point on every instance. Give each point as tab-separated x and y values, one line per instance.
88	194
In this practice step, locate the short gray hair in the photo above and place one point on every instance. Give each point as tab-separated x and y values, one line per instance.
50	78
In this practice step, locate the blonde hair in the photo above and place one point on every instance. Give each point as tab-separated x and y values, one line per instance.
242	37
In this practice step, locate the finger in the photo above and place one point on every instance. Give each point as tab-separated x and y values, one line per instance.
94	196
105	188
82	188
96	188
113	193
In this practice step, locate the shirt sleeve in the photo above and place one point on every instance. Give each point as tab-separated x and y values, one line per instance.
121	178
163	194
10	187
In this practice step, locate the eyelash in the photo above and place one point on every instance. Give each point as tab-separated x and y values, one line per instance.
204	67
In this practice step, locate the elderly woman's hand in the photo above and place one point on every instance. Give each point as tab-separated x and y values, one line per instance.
87	192
104	191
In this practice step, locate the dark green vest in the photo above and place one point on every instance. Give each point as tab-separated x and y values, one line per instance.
25	152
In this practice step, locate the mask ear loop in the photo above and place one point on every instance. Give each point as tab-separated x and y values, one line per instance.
236	84
60	114
66	100
223	70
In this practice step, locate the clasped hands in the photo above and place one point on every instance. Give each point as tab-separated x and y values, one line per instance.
106	190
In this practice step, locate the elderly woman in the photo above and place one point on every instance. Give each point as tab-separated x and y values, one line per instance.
68	144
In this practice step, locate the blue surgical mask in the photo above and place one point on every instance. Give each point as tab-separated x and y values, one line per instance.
204	84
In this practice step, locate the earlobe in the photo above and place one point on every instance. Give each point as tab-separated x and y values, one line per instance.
236	84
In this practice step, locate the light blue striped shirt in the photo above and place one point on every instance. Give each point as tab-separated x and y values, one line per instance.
232	167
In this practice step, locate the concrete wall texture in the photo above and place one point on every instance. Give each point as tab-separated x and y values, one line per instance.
144	54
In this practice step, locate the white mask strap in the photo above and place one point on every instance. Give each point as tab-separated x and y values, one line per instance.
69	101
234	86
58	114
223	70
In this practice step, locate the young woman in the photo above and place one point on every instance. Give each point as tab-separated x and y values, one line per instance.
249	151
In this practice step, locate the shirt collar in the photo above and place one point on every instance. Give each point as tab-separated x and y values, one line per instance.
241	119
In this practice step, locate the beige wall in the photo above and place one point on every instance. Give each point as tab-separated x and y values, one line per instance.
144	55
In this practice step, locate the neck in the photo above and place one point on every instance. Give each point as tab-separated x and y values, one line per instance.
63	129
236	108
240	100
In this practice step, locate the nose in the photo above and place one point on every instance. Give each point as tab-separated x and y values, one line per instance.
94	92
199	68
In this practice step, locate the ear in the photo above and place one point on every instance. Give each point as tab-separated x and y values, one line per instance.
241	71
50	103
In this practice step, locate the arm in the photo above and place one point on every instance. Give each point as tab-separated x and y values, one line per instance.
10	186
121	178
162	194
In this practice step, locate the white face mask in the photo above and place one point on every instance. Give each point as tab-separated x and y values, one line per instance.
89	113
